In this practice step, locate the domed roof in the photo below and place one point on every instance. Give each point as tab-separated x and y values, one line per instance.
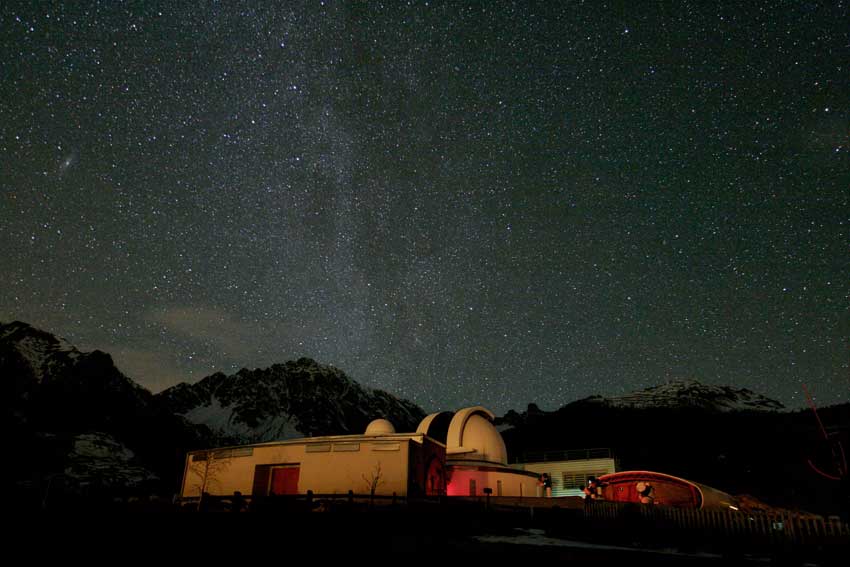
472	437
436	425
379	427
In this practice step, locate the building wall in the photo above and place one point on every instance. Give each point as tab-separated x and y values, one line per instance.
427	473
510	482
576	472
326	466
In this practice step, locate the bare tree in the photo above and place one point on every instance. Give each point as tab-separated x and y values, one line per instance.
374	480
207	466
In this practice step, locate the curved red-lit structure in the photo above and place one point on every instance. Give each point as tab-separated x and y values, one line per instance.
667	490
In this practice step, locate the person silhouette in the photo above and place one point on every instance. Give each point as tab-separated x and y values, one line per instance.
593	490
547	485
237	503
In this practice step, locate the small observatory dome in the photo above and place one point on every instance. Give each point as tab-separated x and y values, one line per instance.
380	427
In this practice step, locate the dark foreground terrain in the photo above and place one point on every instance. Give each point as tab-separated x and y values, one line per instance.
436	534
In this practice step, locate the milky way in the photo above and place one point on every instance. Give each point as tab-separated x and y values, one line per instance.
459	203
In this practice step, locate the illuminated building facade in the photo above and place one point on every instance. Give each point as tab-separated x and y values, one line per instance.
458	454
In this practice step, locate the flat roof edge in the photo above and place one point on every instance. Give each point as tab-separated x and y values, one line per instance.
328	439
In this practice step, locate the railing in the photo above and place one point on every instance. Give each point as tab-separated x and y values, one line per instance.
608	522
308	501
565	455
733	528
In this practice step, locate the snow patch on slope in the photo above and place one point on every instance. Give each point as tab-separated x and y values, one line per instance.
295	399
224	421
691	393
40	352
100	457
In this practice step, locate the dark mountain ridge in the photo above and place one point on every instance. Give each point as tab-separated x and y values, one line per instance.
295	399
77	418
763	453
81	425
78	421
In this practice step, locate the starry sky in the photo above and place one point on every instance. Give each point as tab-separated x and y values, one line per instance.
461	203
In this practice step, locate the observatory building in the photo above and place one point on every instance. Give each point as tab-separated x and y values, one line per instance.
451	453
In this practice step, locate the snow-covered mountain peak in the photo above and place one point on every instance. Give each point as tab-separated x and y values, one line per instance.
293	399
691	393
40	351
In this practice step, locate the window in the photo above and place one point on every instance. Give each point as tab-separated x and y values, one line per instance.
224	454
242	452
577	481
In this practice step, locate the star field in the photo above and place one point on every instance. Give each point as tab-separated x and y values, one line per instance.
461	203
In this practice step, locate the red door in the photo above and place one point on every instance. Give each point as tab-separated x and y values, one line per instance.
284	480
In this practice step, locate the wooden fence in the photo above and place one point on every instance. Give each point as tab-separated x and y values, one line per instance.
729	526
569	517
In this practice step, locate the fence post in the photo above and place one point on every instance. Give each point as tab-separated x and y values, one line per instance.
758	527
790	528
776	537
805	529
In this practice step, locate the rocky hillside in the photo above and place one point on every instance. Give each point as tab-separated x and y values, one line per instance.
296	399
691	394
47	383
80	423
719	436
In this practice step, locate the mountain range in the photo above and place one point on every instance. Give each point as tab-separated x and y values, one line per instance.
82	426
297	399
672	395
80	423
743	446
693	394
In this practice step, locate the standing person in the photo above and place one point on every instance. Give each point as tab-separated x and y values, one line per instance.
593	490
547	485
204	504
237	503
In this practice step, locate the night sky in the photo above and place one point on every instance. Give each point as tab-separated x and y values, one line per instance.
461	203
